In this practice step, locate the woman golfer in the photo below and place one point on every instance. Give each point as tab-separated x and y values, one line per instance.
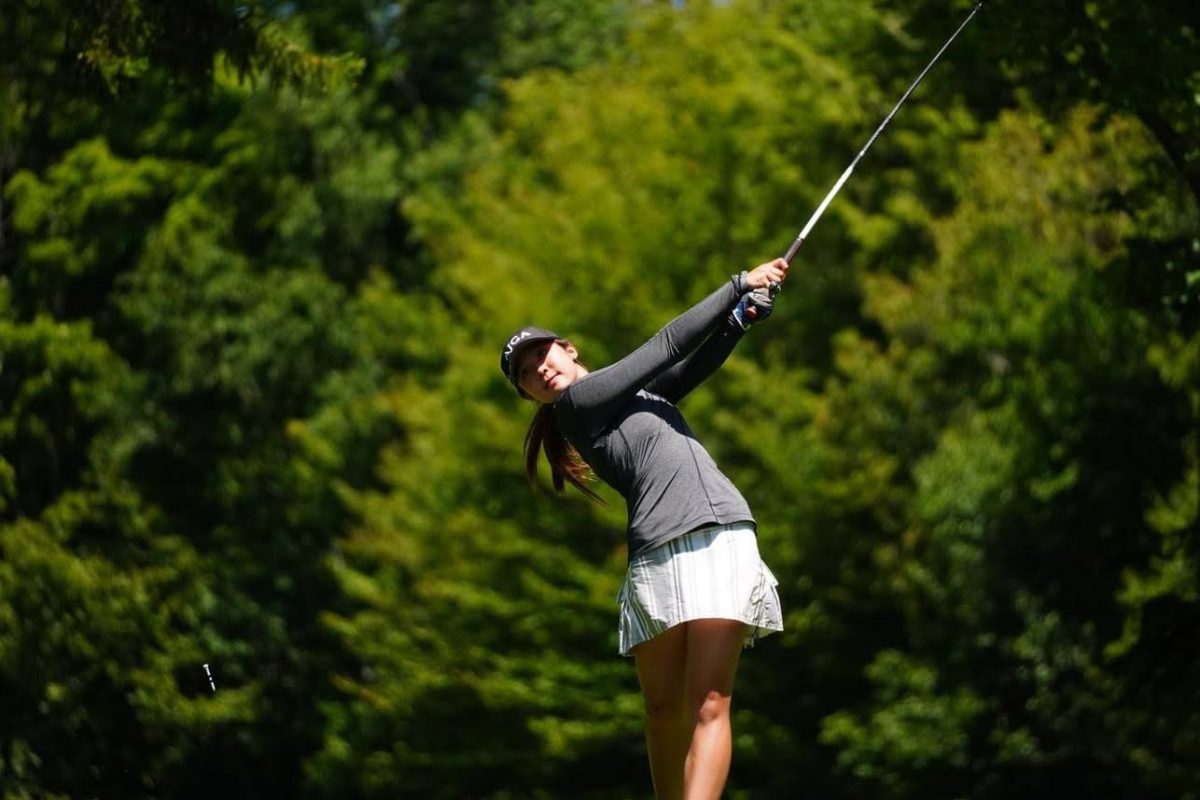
696	591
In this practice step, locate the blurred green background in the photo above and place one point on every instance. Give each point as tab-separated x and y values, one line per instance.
257	261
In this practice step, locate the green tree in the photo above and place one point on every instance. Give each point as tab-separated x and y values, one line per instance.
214	247
488	615
1005	419
250	414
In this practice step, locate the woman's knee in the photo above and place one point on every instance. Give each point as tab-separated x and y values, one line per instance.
712	706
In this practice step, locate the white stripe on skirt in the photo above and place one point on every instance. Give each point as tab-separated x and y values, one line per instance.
712	572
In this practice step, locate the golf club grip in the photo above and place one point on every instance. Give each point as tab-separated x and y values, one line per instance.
788	256
795	248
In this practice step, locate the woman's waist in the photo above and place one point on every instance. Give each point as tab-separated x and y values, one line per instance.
645	538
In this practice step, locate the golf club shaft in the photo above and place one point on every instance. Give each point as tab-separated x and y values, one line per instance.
791	251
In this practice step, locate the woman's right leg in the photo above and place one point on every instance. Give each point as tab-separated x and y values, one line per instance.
714	648
661	662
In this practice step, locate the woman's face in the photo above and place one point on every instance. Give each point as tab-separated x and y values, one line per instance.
546	369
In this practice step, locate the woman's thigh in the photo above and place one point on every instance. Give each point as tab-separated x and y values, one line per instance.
661	663
714	647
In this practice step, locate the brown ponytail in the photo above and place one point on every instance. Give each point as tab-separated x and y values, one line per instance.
565	462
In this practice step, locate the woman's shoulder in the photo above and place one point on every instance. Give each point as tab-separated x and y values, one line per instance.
570	396
574	407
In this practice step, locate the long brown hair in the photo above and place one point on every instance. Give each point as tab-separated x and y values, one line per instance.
565	462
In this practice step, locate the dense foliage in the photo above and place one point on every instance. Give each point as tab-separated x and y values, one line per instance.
256	261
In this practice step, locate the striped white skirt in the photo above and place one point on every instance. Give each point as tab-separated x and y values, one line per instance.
712	572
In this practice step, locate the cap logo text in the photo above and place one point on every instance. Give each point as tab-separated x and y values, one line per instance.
514	341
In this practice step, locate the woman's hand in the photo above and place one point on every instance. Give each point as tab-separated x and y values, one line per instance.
764	275
755	306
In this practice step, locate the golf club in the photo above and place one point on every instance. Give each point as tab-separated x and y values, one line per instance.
791	251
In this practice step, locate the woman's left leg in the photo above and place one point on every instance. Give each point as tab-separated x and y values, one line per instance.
713	649
660	668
